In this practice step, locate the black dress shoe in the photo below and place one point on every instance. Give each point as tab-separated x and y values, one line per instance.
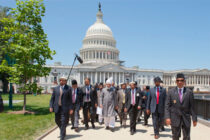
76	129
132	132
86	127
72	127
107	128
112	129
93	126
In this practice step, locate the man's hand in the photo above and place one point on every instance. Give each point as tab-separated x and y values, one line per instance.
96	105
168	121
71	112
51	109
125	110
144	97
194	123
148	112
139	107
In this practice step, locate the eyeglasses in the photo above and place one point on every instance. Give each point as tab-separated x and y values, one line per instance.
179	80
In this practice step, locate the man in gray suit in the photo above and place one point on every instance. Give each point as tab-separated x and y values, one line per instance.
61	104
179	107
155	105
121	93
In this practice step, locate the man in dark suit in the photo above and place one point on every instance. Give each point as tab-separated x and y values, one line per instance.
89	103
77	101
61	104
132	105
144	96
178	109
156	105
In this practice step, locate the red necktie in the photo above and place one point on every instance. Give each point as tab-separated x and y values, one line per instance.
158	94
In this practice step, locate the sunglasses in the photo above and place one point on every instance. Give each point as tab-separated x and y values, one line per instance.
179	80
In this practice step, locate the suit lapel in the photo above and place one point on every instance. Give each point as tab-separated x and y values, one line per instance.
155	92
177	95
184	94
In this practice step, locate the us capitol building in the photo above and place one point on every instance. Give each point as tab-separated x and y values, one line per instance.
101	60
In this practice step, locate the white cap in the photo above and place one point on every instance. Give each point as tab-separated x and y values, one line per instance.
132	82
109	81
63	77
121	83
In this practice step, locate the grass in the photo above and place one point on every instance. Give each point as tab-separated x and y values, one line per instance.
26	127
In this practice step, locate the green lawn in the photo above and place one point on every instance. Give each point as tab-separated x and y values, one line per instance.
26	127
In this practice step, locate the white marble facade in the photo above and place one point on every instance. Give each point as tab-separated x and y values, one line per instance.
101	61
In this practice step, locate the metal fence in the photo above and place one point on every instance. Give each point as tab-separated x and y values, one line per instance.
202	108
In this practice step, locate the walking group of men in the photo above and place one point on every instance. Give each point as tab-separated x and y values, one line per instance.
104	102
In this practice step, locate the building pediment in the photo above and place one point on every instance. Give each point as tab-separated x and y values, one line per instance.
110	68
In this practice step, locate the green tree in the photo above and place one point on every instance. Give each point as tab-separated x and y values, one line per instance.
4	13
27	44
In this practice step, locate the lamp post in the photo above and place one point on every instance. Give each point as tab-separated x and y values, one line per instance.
55	74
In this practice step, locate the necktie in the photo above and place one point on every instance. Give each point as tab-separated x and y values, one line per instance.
73	96
61	92
158	94
88	93
180	95
133	98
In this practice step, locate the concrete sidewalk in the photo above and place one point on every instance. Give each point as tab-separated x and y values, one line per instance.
201	132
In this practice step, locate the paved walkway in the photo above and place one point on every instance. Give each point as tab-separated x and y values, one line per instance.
201	132
13	101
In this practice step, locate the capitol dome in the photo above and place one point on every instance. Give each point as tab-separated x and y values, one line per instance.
99	45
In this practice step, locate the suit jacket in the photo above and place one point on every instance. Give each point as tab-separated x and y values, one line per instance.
152	100
144	101
128	99
176	110
66	99
93	95
120	97
79	98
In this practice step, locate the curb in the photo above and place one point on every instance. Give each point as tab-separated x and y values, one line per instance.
47	133
204	122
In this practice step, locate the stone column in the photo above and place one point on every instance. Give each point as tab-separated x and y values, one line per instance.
123	77
104	76
96	77
120	78
100	77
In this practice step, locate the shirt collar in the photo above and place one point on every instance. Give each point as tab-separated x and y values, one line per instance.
182	89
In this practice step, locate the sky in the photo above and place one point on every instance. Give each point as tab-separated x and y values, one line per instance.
151	34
